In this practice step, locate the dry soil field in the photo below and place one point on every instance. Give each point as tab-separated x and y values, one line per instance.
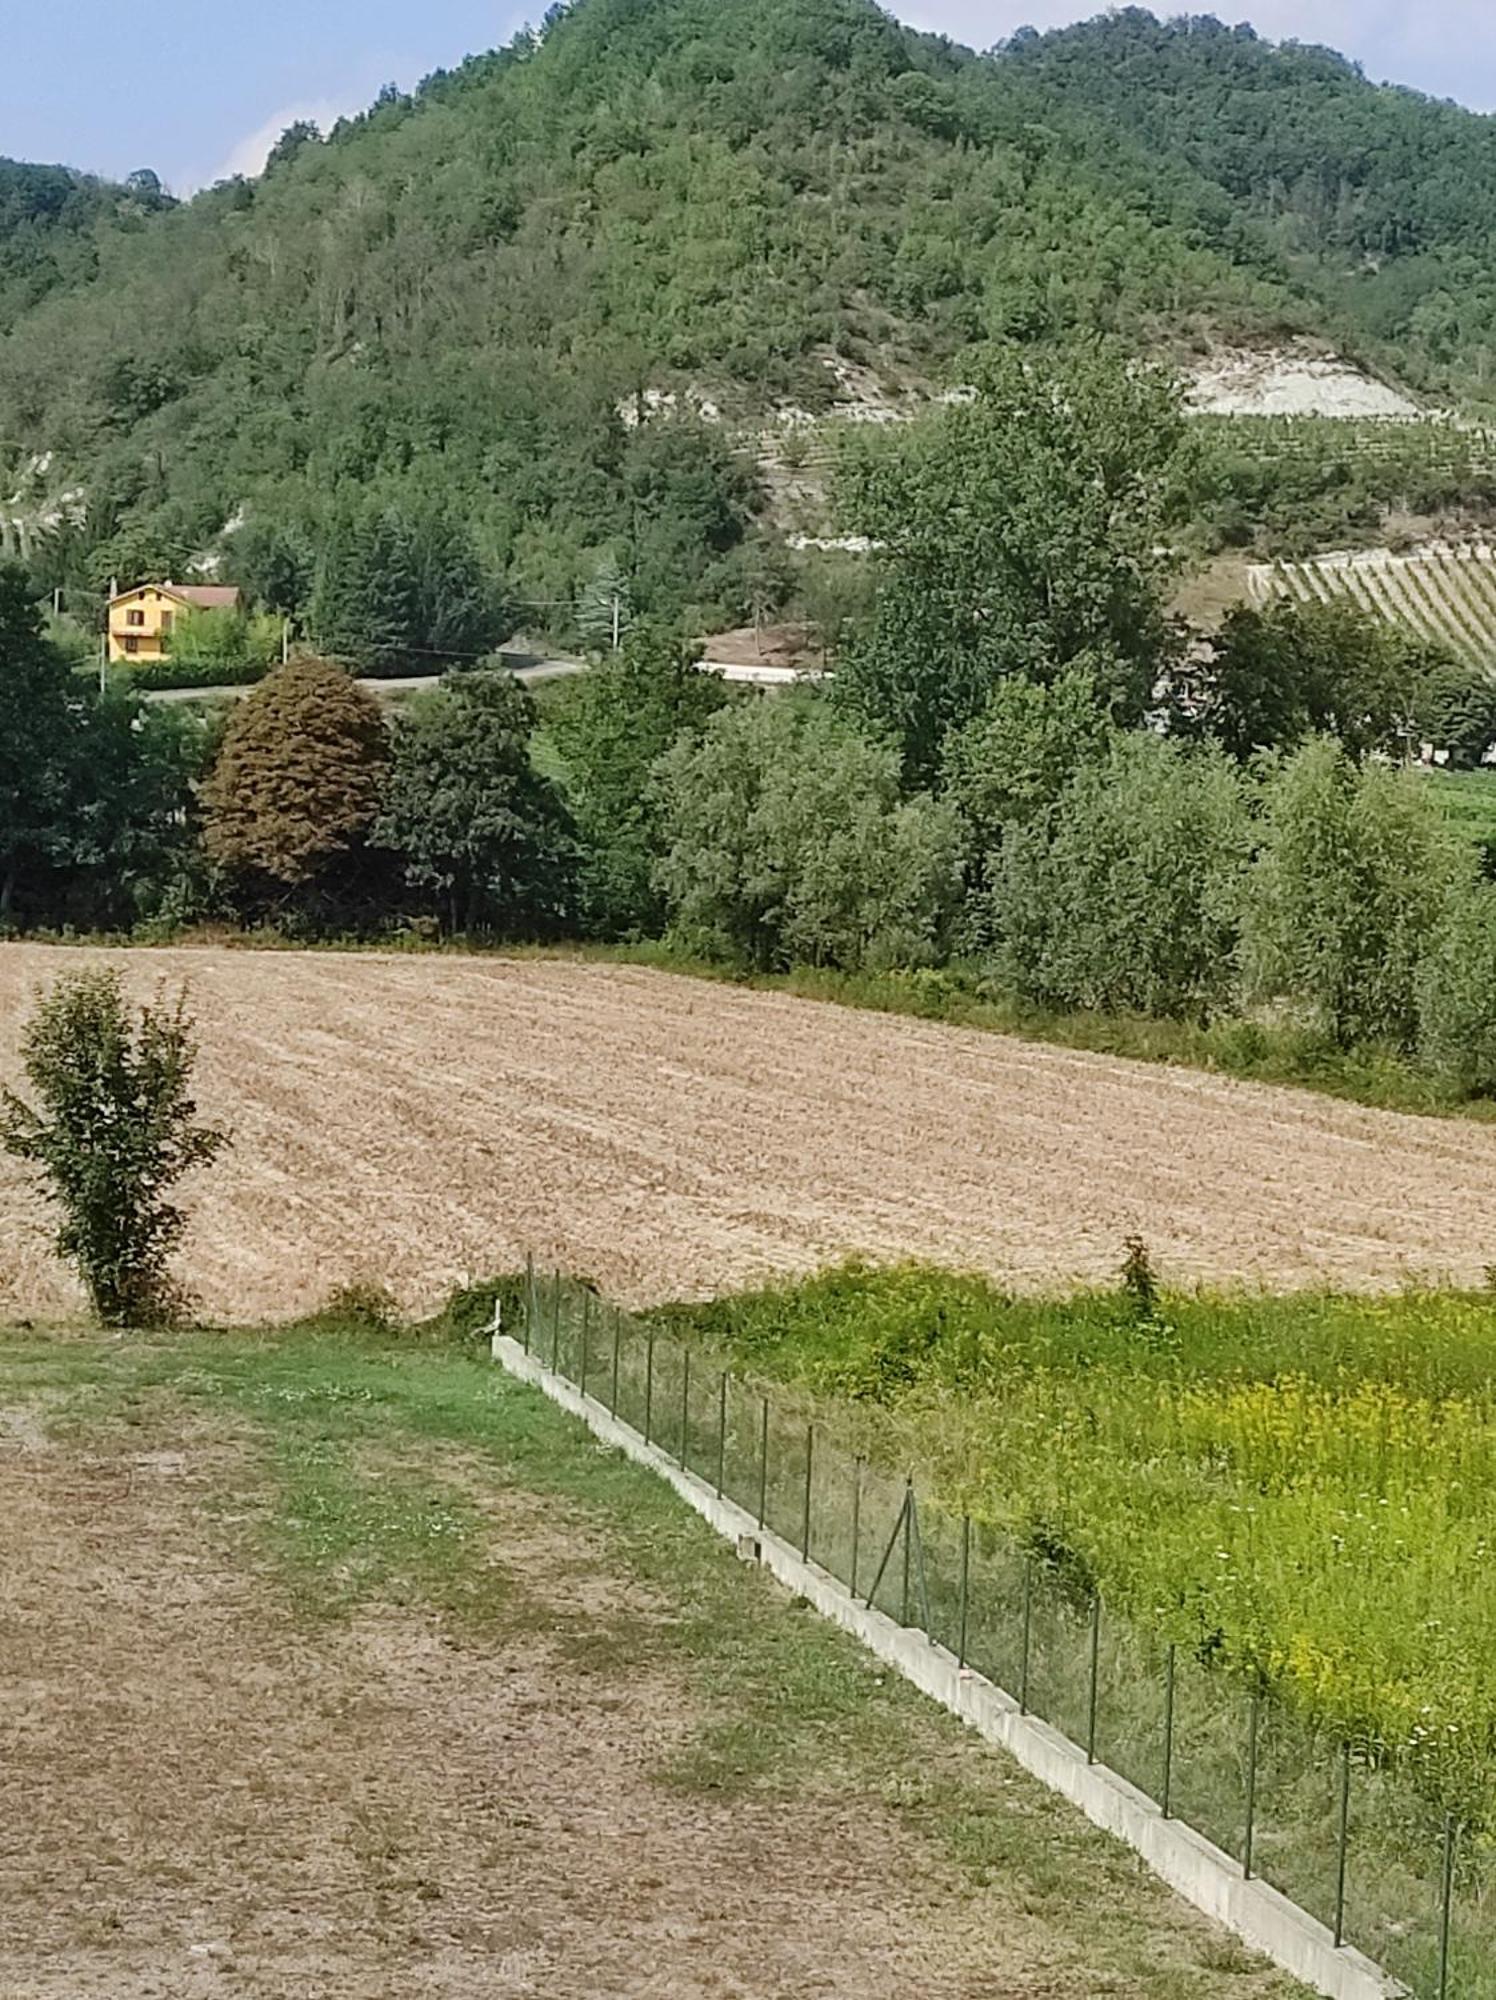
419	1120
475	1717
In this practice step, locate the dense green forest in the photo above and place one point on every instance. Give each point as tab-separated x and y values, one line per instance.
447	310
1024	783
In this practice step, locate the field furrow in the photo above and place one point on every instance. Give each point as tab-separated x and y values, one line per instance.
418	1121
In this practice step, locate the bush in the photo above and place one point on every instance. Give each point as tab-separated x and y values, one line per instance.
1353	877
787	842
116	1129
159	675
1126	896
1457	996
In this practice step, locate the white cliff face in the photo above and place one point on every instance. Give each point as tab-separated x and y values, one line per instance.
1291	382
32	501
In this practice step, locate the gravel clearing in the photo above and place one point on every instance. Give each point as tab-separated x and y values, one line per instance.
419	1121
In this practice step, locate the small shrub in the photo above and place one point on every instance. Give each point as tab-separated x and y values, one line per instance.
116	1129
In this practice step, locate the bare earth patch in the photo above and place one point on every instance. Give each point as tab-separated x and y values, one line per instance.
198	1796
423	1120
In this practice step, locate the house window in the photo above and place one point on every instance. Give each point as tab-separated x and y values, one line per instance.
135	618
132	645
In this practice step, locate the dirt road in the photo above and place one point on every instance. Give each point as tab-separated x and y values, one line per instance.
421	1120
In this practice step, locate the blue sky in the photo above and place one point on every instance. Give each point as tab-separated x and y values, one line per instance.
197	92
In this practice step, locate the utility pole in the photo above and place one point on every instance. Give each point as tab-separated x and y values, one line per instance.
285	641
617	620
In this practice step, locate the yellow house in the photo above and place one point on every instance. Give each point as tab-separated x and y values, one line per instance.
140	620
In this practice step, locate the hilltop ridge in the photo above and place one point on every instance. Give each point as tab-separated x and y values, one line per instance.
455	300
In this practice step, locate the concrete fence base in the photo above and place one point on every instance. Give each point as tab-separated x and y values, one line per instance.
1201	1873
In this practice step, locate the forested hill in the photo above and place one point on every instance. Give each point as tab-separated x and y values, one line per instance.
50	219
444	306
1380	202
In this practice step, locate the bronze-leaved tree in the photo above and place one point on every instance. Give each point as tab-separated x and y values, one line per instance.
113	1129
297	784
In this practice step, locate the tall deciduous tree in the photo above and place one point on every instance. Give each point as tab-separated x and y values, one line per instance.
1353	876
41	721
1127	893
475	821
298	781
1017	534
616	725
1273	678
788	842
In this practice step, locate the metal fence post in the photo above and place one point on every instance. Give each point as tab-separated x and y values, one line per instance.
529	1297
685	1409
965	1591
1446	1914
810	1449
1344	1843
649	1385
900	1527
556	1324
586	1336
856	1520
1095	1678
927	1623
1254	1724
763	1464
1028	1633
722	1434
1166	1803
908	1510
617	1358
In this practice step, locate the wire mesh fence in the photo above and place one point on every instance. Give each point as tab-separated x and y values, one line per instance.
1335	1826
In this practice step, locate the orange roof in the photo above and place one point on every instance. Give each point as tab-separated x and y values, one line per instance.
201	596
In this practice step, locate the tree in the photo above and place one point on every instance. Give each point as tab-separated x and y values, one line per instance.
1457	714
1013	761
114	1129
1016	534
298	781
604	614
618	721
41	720
470	814
787	842
1127	893
138	552
129	846
304	132
1352	878
401	592
1457	994
1276	677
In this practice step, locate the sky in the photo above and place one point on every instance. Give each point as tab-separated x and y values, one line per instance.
199	92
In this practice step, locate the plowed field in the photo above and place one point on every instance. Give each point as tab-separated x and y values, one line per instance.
417	1121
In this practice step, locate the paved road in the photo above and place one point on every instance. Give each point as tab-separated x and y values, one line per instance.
532	674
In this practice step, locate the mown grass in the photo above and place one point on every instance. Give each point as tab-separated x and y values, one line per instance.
375	1449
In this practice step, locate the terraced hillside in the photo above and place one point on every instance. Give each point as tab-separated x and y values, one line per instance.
1445	594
